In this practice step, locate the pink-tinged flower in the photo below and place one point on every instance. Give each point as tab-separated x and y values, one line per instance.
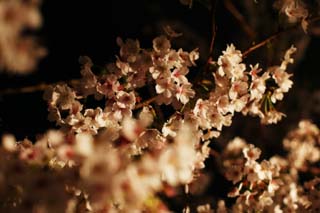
89	80
55	138
272	117
60	96
161	44
258	86
295	10
108	86
204	209
99	166
125	100
235	146
265	200
129	50
137	79
173	59
9	143
238	88
146	116
143	61
221	207
66	153
118	113
251	153
251	169
254	71
234	173
188	59
160	70
266	170
248	197
84	144
276	95
240	103
124	67
274	185
282	79
222	83
233	54
224	66
217	120
151	139
193	56
93	120
200	111
184	93
287	58
165	86
223	105
177	162
230	64
131	128
172	126
179	75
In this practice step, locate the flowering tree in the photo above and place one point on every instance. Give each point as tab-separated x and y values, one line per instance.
142	133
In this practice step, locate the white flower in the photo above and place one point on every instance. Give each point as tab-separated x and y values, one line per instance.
9	143
179	75
131	128
165	86
108	86
129	50
230	64
282	79
258	86
184	93
161	44
125	100
177	162
84	144
238	88
272	117
251	153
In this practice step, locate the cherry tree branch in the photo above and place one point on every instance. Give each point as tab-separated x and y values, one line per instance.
240	18
276	35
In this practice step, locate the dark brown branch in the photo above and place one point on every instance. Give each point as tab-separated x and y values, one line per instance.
34	88
240	18
274	36
145	103
213	27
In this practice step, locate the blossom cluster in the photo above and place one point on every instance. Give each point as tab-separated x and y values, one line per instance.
295	10
274	185
83	173
118	156
138	132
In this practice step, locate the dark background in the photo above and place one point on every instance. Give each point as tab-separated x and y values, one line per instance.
86	27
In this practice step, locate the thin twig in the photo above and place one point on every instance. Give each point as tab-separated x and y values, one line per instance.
145	103
270	38
213	36
237	15
34	88
213	28
260	44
